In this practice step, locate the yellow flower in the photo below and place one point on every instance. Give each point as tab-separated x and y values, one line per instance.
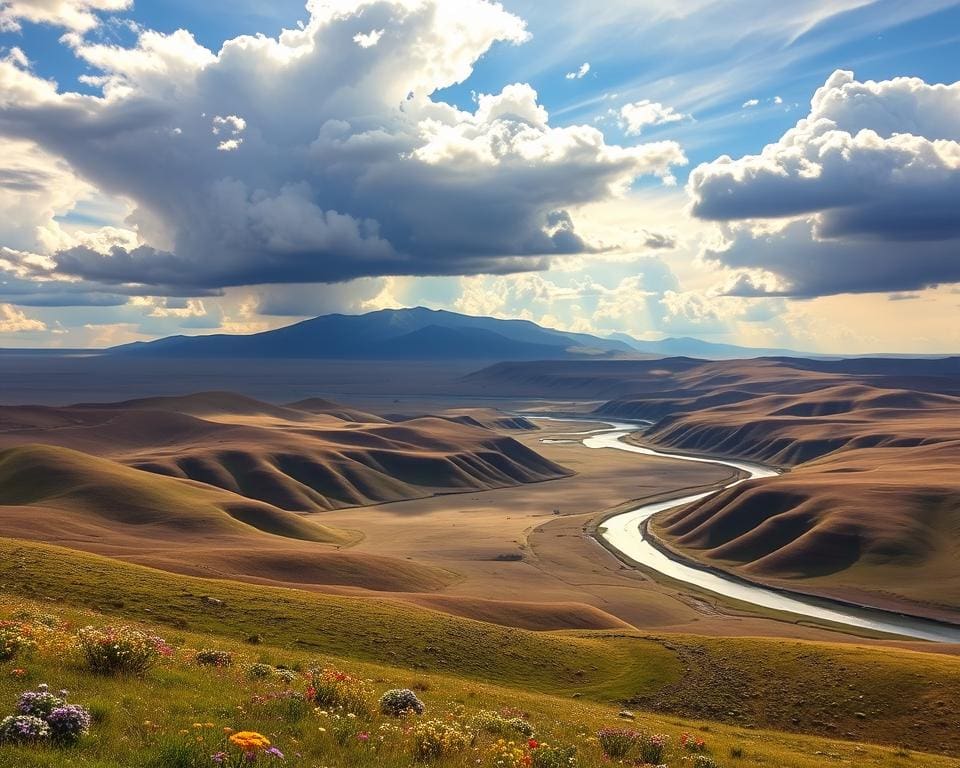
250	741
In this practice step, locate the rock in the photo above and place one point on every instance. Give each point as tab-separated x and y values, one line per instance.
627	715
212	601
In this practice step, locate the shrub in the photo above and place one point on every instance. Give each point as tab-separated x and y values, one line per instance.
40	703
13	639
332	689
617	742
211	658
399	702
285	674
433	739
544	756
497	724
69	723
652	747
692	743
260	671
116	650
23	729
702	761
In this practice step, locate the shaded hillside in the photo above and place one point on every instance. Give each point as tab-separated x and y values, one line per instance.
86	495
318	458
65	497
879	526
871	509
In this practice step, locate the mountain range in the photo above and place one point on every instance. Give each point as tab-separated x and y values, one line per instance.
426	334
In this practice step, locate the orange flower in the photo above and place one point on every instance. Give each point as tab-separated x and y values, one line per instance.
250	741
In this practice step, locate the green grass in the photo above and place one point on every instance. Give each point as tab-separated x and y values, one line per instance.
569	681
364	629
139	720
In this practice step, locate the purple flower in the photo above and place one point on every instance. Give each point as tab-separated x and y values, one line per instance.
40	702
23	728
274	752
219	758
69	722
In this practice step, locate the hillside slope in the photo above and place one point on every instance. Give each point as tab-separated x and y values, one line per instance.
870	511
314	457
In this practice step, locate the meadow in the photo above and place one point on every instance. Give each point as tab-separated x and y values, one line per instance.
305	673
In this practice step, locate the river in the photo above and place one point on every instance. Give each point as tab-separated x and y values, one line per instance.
624	533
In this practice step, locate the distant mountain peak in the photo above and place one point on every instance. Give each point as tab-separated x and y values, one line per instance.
415	333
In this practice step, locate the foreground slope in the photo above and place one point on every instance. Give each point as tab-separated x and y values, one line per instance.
566	683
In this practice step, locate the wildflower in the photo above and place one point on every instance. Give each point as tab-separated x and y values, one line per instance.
69	722
399	702
250	741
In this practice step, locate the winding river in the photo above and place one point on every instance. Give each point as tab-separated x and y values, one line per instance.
624	532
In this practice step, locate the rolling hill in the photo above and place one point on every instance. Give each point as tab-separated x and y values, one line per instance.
870	509
307	457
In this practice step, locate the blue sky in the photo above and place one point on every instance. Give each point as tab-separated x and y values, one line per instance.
645	243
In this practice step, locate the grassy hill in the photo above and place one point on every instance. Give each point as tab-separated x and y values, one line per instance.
834	699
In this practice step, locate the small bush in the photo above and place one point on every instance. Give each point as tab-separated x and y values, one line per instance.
69	723
702	761
617	743
260	671
497	724
209	657
13	640
433	739
23	729
399	702
553	757
652	747
119	650
332	689
40	703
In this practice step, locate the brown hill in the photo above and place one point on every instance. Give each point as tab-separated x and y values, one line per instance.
291	458
72	499
871	509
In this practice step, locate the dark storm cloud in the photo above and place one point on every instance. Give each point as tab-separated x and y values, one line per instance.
315	158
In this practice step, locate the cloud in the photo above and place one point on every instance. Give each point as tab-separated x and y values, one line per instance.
860	196
643	114
749	103
75	15
13	320
327	161
368	39
579	73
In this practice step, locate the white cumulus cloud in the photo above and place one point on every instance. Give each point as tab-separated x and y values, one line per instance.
861	195
635	117
75	15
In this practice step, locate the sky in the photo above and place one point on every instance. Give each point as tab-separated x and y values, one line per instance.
765	174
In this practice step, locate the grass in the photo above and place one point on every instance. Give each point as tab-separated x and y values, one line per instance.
364	629
746	694
150	722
